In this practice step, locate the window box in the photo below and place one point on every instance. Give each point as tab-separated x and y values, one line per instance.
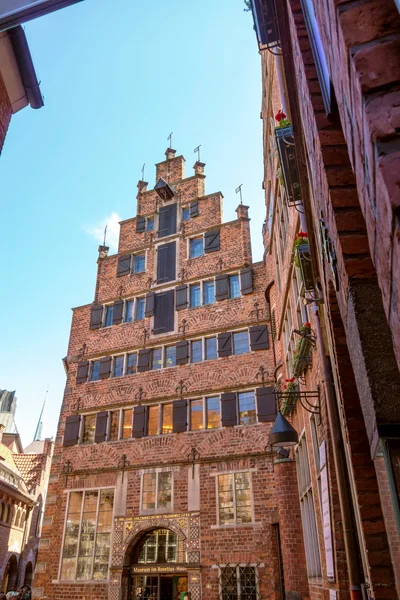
302	358
287	158
303	262
288	397
265	22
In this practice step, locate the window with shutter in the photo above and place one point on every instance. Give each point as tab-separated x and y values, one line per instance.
164	316
96	317
140	224
228	410
71	433
83	371
181	297
246	280
105	367
166	258
124	265
221	287
212	241
266	404
225	344
101	427
139	421
259	337
167	220
179	416
194	209
150	300
182	352
117	312
143	362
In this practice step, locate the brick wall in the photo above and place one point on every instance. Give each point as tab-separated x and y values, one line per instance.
5	112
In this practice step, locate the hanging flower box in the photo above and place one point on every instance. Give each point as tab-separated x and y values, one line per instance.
288	397
302	260
302	353
287	158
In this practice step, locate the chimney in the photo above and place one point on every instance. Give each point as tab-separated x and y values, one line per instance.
2	428
170	153
242	211
103	251
142	186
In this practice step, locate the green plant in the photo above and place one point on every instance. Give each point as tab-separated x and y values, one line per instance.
282	119
302	352
289	396
301	238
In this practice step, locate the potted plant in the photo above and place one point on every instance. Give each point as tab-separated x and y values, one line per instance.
302	353
289	397
283	121
302	260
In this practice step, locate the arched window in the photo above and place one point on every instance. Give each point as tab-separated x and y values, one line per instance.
28	574
157	546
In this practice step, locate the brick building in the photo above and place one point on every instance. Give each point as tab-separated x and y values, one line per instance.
161	482
331	254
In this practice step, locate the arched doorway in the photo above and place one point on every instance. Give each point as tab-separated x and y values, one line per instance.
10	574
28	574
155	573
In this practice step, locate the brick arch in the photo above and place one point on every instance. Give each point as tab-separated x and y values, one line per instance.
173	444
250	440
101	453
141	528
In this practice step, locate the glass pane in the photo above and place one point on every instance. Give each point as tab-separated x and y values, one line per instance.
196	351
114	426
118	366
213	413
139	309
247	408
164	490
150	224
71	536
208	292
234	289
243	499
241	342
139	263
225	499
248	584
211	348
195	299
95	373
89	426
88	532
127	424
131	361
185	214
109	316
156	362
149	491
229	583
196	415
167	418
170	356
196	247
129	311
152	427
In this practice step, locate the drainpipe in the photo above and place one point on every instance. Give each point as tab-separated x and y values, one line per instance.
340	467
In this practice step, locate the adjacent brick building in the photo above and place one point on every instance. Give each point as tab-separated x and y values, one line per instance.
161	481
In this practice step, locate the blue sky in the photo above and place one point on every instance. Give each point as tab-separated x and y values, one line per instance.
117	77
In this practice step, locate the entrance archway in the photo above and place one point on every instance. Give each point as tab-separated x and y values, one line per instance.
28	574
10	574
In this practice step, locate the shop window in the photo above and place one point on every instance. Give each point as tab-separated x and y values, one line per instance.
234	498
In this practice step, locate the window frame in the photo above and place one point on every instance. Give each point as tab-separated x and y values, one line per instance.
232	473
233	342
137	255
237	567
109	308
192	286
197	237
150	511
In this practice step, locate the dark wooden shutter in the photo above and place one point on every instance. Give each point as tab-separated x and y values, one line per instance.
179	412
167	220
149	304
100	433
225	344
182	352
166	257
181	297
105	367
143	363
266	404
139	421
83	371
140	224
221	287
246	280
228	410
211	241
96	317
194	209
117	312
124	265
259	337
71	433
164	312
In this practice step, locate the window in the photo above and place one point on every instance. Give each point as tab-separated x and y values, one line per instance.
166	426
127	424
150	224
166	262
185	214
95	372
247	408
164	312
156	491
118	366
208	292
196	247
196	415
131	363
89	426
211	348
86	550
195	297
391	451
238	581
114	426
139	309
196	351
109	315
241	342
139	263
157	546
234	288
234	500
152	423
213	412
156	358
307	510
129	311
170	356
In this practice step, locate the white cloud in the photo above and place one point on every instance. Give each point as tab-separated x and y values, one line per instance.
97	231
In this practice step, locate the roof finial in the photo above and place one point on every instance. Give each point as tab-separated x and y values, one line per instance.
170	139
239	189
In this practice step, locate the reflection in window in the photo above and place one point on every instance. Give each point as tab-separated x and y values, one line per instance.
234	500
166	418
158	546
139	263
114	426
213	413
170	356
196	247
241	342
118	366
127	424
129	311
196	415
152	423
247	408
211	348
196	351
156	358
89	426
131	361
156	490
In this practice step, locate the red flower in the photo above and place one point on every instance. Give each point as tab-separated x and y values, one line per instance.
280	115
292	379
284	387
302	234
308	325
